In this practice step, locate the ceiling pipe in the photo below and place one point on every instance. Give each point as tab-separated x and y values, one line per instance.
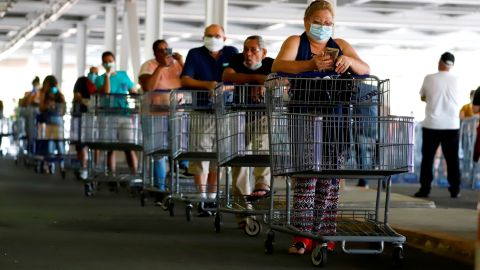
35	26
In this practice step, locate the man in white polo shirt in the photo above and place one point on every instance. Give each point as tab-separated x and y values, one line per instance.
441	125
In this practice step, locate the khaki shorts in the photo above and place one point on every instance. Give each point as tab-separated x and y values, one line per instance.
118	129
202	138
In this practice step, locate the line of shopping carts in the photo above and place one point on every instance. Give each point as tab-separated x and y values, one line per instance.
293	128
40	138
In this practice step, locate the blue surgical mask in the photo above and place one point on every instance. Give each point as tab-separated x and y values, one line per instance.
321	32
92	76
54	90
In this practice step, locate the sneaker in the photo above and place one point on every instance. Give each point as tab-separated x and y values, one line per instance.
212	195
455	195
420	194
83	174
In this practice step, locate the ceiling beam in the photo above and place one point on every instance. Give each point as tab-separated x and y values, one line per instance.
35	26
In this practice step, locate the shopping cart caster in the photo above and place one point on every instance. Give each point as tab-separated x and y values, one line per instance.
218	222
269	242
188	211
397	255
253	227
88	190
142	198
171	207
319	255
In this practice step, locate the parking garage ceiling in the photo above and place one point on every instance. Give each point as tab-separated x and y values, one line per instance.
365	23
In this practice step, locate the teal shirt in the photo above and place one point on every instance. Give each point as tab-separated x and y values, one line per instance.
120	83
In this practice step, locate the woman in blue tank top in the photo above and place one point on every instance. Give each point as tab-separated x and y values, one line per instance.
308	52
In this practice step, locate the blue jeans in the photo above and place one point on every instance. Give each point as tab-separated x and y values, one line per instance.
160	173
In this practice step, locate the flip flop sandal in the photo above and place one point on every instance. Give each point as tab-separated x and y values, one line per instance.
253	198
297	249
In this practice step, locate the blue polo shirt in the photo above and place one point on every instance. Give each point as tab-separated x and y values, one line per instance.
200	65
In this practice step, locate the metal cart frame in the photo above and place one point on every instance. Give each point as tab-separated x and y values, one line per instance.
313	124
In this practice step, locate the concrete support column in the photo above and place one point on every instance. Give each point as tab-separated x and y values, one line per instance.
133	35
124	46
153	25
81	49
216	12
57	61
110	28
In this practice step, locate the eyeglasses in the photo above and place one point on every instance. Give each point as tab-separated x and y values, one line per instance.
252	50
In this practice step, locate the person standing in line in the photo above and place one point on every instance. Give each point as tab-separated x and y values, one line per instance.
303	53
467	110
82	90
117	82
161	74
251	67
203	70
440	91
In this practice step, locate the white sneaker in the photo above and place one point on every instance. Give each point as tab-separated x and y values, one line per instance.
212	196
83	174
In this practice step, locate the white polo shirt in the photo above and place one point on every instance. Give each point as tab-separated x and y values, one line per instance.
443	100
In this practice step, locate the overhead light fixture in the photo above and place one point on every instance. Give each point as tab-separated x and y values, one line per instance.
35	26
276	26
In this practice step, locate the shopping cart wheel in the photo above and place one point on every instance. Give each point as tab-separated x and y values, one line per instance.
398	255
269	242
171	207
253	227
142	198
319	255
188	211
218	222
88	190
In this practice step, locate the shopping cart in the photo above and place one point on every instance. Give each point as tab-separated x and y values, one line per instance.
155	111
50	146
20	136
468	133
242	141
6	131
315	125
112	123
192	123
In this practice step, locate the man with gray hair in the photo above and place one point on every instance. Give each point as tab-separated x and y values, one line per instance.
251	67
441	125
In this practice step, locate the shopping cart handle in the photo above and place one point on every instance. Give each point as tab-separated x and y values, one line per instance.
318	74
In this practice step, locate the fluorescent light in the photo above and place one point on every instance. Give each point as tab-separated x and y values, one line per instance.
275	26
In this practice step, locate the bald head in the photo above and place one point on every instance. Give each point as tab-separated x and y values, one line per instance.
214	28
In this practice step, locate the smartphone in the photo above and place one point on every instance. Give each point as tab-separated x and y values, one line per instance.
169	51
332	52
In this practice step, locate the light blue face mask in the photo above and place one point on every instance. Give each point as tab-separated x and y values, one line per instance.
92	76
254	67
321	32
54	90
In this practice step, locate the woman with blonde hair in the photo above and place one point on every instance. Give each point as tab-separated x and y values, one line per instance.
315	200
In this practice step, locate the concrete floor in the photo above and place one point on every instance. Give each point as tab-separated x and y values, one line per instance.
47	223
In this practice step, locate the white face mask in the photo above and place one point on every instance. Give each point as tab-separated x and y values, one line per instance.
213	44
254	67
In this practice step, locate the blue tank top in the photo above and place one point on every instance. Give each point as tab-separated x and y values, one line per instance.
305	52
